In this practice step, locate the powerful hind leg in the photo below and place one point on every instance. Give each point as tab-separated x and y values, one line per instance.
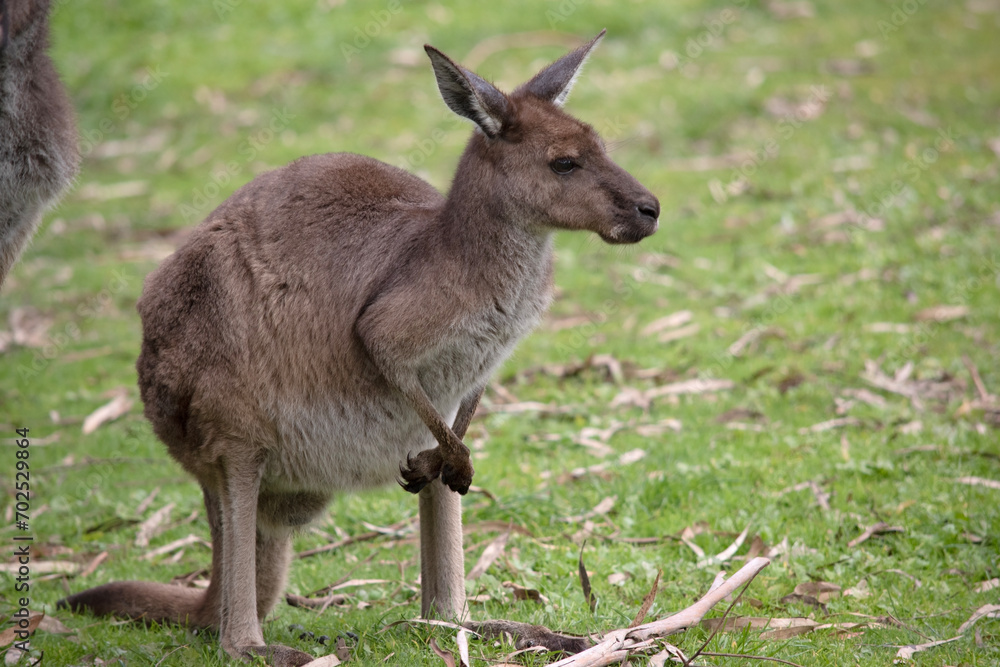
278	515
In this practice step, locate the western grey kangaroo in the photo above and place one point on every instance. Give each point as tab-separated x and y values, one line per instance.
320	330
38	151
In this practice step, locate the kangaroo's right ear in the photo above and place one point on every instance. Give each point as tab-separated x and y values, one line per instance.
468	94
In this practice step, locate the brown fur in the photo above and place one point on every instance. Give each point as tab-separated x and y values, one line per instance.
328	321
38	151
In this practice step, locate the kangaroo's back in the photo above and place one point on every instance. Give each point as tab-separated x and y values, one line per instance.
38	151
292	256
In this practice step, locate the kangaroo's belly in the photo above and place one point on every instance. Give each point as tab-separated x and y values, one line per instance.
330	448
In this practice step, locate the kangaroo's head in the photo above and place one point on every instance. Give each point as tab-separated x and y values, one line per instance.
539	165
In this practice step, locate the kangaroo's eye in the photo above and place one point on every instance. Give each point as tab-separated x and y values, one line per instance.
562	165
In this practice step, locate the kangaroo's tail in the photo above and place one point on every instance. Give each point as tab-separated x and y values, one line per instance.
147	601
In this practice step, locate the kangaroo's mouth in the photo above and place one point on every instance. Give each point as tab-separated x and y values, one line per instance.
630	233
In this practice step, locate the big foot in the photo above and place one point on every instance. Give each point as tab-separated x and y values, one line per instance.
277	655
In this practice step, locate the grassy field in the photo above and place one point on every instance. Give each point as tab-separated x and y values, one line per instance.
829	244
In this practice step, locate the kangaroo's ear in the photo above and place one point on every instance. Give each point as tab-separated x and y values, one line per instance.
555	82
468	94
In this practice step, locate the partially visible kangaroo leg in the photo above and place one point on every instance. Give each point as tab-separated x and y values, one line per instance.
442	559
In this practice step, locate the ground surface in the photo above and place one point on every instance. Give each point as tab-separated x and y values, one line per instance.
829	244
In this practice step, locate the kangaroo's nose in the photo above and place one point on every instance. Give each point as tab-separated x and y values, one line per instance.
649	208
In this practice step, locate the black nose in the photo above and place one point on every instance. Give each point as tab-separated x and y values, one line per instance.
649	208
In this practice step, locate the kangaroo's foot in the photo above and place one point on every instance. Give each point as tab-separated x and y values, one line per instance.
276	655
456	471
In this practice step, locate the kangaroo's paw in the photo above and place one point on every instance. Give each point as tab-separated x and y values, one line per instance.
457	472
420	470
276	655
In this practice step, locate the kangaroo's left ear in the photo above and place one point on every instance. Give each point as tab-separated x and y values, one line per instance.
555	82
469	95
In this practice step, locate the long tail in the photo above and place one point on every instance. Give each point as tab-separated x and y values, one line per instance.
147	601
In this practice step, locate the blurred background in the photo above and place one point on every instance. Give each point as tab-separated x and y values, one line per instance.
828	175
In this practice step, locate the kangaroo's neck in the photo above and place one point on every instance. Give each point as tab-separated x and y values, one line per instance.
482	223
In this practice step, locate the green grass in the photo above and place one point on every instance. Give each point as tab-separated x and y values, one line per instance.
178	97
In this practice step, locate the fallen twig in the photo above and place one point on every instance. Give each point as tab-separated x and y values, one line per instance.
619	644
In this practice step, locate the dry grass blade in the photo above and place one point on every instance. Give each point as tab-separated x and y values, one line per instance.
647	601
588	594
492	551
879	528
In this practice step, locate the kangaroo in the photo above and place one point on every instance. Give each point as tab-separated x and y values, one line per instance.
321	329
38	152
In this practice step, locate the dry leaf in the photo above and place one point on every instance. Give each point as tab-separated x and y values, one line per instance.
647	601
174	546
671	321
117	407
492	551
941	313
617	578
588	594
601	509
29	327
879	528
678	334
9	634
988	585
979	481
905	653
859	591
326	661
991	610
44	567
153	526
830	424
446	656
93	564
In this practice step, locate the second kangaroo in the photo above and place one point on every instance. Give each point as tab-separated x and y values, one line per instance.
332	325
